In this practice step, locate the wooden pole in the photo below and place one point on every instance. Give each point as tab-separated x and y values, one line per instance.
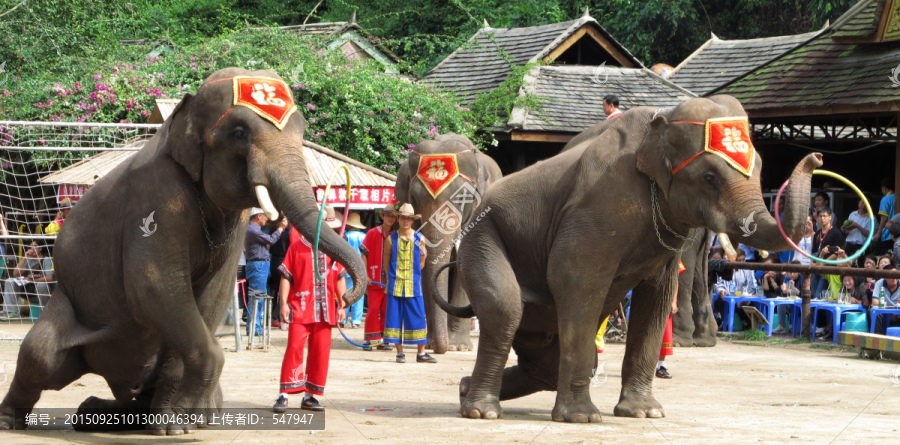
817	269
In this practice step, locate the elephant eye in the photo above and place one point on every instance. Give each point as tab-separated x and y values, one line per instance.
710	178
239	133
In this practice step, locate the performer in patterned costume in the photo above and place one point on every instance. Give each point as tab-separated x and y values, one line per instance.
403	259
312	307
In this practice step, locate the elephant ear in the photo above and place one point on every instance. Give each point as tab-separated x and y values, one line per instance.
181	139
654	155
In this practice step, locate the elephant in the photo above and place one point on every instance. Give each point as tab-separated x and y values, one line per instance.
164	231
444	216
694	323
568	237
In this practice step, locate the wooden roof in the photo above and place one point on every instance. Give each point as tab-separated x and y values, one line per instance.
718	62
485	61
572	96
827	74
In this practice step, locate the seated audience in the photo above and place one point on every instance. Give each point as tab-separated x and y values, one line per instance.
30	278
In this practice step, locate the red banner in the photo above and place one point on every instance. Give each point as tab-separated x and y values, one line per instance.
360	197
72	191
436	171
269	98
729	137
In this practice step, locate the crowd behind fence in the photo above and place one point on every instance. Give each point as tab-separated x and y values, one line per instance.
45	168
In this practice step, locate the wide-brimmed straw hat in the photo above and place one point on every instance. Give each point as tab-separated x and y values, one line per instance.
388	209
331	218
354	221
407	211
66	203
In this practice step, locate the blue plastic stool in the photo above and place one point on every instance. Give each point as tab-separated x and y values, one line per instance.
893	332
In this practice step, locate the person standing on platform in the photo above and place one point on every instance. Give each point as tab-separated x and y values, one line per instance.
256	248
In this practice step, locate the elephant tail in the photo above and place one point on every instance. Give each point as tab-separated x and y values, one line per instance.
458	312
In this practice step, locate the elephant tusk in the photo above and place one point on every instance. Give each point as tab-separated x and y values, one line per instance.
265	202
726	245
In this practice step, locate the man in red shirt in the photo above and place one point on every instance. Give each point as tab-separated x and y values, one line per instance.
371	249
312	307
611	106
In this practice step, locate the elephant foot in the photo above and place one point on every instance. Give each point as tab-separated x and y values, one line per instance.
639	407
96	405
705	342
482	409
173	428
476	409
575	412
461	347
8	420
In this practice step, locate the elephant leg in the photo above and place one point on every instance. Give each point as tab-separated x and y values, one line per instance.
577	355
140	405
651	302
705	326
459	329
492	284
537	370
46	361
192	360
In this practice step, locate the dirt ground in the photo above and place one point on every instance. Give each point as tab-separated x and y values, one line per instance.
733	393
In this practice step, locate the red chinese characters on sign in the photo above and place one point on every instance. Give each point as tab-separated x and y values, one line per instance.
72	191
269	98
437	171
360	197
729	138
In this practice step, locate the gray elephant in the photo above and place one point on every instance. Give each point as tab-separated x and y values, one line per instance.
694	323
142	309
568	237
446	195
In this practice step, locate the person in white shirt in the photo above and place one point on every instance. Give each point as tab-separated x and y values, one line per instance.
856	229
805	244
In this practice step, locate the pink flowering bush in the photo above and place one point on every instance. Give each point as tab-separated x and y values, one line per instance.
351	106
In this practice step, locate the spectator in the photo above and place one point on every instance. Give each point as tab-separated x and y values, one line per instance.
355	237
31	276
826	243
256	248
891	298
742	281
372	248
65	206
3	232
870	262
893	226
857	293
750	253
886	212
856	228
310	306
277	251
611	106
884	261
771	281
402	266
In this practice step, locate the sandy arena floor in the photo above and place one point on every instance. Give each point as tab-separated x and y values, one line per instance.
733	393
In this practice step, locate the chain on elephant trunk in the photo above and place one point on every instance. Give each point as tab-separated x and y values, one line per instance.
654	209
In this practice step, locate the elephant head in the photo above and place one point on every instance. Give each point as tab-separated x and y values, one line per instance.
719	187
446	212
256	138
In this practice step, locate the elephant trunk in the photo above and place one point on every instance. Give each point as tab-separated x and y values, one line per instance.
287	180
796	209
